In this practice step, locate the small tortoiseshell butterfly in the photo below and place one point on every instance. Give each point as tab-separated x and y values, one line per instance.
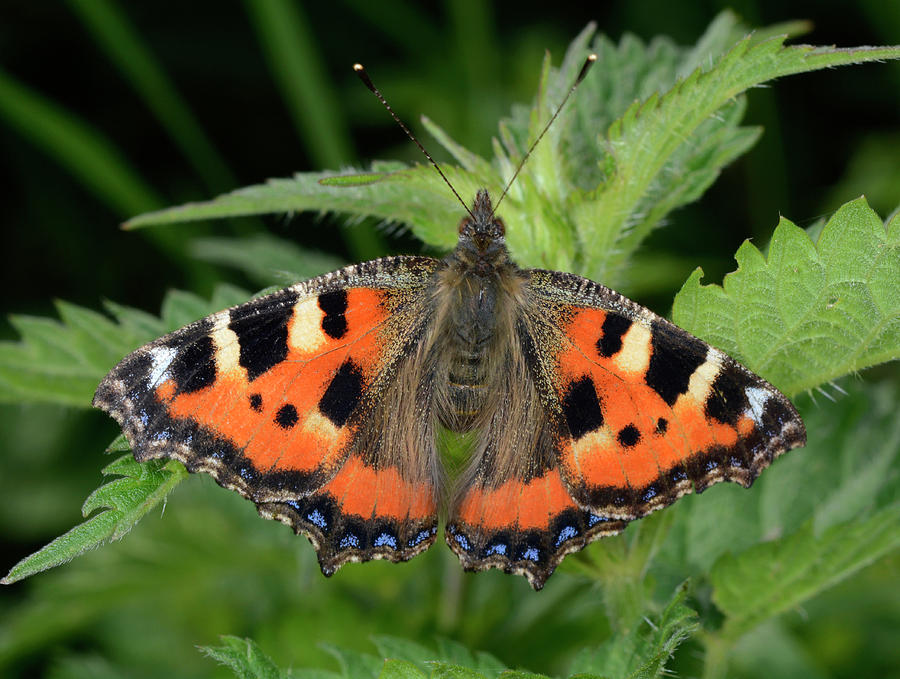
320	403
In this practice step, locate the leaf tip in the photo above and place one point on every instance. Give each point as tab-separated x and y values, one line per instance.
694	279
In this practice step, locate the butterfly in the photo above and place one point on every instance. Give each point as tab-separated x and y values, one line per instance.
322	403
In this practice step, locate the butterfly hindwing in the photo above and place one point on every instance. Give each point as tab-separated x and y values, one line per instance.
286	399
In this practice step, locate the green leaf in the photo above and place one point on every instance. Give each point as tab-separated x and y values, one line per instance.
62	361
355	665
846	471
647	142
522	674
266	259
774	577
643	650
124	501
772	651
415	196
244	658
808	313
457	654
840	476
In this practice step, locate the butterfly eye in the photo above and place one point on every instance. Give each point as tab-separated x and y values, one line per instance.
462	225
501	227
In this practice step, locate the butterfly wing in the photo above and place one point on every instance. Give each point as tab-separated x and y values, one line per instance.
283	399
634	413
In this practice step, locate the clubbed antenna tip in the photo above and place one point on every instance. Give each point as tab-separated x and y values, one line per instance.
585	67
367	81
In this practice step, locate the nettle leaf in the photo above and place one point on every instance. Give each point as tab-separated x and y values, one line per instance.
403	649
123	502
393	192
405	659
353	664
643	650
244	658
646	143
61	362
650	129
847	470
442	670
808	313
455	653
817	517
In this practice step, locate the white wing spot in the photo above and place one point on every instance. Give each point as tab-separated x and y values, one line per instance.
703	377
305	328
757	398
228	347
634	356
162	358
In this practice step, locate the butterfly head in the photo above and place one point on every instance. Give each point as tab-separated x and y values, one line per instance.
481	235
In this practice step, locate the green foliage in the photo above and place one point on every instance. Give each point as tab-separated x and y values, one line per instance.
809	313
648	132
638	653
774	577
585	201
123	502
244	658
266	259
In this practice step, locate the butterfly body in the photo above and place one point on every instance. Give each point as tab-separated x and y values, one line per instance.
322	402
477	291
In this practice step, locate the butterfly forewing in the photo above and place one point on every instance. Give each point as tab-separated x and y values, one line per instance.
281	398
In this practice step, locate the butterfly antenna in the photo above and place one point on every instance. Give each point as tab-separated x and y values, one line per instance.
367	81
591	59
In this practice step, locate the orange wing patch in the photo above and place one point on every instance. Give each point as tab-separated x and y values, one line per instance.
363	513
522	526
516	504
